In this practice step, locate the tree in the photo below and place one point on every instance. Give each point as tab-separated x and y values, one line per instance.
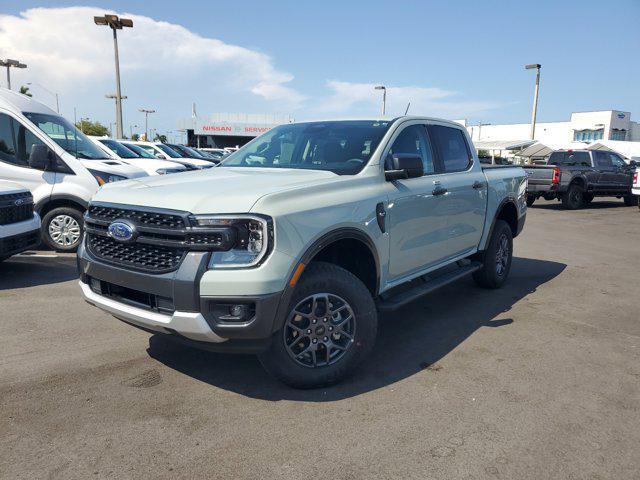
135	137
160	138
24	90
92	128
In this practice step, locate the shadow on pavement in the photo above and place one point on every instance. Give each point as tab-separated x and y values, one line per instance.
410	340
594	205
23	271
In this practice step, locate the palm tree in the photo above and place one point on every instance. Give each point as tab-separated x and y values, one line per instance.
25	91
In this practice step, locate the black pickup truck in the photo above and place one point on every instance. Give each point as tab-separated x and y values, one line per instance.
577	176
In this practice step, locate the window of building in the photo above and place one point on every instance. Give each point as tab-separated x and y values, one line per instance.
588	135
452	146
618	134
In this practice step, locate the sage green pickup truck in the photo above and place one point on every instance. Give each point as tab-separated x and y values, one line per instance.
295	245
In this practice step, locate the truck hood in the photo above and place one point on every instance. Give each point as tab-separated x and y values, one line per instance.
218	190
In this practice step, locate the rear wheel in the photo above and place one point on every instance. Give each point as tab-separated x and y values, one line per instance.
62	229
631	200
588	198
329	330
530	200
573	198
496	258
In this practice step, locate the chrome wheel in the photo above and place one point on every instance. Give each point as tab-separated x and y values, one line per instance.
502	255
64	230
319	330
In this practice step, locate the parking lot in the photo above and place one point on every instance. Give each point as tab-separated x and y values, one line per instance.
539	379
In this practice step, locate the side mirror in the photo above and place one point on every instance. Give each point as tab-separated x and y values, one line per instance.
403	165
634	163
160	156
40	157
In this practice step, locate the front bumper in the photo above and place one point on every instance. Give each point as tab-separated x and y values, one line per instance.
173	303
18	237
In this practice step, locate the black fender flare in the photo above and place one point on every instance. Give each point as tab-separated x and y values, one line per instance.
60	196
501	205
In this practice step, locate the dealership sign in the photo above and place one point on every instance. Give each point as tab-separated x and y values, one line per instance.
203	127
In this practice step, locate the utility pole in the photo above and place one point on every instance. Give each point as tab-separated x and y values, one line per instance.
115	24
9	63
123	97
146	121
131	127
537	66
384	98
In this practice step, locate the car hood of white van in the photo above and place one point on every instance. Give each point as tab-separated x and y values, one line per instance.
218	190
115	167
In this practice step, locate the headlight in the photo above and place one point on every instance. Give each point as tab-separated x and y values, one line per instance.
166	171
253	238
104	177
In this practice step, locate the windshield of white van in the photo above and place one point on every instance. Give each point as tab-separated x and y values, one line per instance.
67	136
342	147
118	148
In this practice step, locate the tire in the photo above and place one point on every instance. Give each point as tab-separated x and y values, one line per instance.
293	362
530	200
573	198
493	274
631	200
588	198
62	229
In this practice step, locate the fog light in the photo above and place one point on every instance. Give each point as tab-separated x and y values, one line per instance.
237	311
96	285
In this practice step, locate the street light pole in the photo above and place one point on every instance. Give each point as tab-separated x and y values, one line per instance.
131	127
537	66
384	97
116	23
146	121
48	91
118	112
9	63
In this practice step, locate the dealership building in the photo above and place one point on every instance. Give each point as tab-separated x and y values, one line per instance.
582	129
220	130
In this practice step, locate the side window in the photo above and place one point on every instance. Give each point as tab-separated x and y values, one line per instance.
616	160
25	140
578	159
413	140
7	142
603	160
452	147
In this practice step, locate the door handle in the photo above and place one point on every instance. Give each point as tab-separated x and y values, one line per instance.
439	191
477	185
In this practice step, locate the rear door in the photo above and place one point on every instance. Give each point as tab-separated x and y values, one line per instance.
465	202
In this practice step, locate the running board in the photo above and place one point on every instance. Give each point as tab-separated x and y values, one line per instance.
401	299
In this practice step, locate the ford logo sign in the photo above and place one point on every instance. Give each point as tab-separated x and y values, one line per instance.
18	202
621	115
122	231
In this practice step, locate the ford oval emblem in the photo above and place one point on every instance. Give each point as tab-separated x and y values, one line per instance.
122	231
18	202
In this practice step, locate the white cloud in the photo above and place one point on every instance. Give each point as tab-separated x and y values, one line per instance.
65	50
362	98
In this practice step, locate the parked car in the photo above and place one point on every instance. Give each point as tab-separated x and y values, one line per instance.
57	163
19	223
216	153
310	230
635	187
164	152
188	152
576	177
150	164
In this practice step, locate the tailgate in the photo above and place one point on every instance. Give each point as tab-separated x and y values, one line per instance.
540	177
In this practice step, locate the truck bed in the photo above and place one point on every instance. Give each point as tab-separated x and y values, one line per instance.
540	177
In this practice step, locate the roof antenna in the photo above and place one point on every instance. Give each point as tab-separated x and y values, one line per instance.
408	105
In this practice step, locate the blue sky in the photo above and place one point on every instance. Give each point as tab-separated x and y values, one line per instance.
320	59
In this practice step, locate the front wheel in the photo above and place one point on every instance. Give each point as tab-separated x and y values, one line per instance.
62	229
496	258
329	330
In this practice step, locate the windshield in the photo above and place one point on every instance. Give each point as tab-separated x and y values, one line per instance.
342	147
67	136
168	151
139	150
118	149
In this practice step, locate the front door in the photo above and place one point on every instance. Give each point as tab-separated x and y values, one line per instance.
417	222
16	142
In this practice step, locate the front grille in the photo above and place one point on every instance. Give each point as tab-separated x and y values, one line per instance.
151	258
12	213
140	217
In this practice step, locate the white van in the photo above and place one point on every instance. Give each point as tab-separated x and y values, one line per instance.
148	162
19	224
163	152
61	167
